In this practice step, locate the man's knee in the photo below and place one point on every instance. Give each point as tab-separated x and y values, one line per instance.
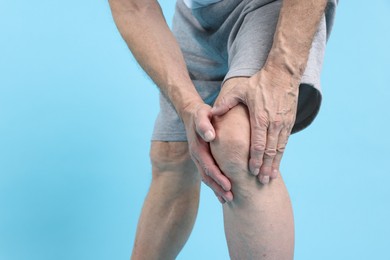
231	146
231	155
171	157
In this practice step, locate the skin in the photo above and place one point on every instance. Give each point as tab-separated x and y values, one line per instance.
258	219
170	208
271	95
143	27
258	222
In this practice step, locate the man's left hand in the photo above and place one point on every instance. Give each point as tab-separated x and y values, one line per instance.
271	98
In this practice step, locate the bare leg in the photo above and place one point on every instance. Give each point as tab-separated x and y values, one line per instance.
259	221
170	208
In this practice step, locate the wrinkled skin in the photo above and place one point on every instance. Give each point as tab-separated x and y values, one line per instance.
271	98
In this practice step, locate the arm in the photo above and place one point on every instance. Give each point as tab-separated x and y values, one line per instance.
272	94
143	27
297	25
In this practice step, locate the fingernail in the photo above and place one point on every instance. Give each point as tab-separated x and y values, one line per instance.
275	173
264	179
256	172
209	135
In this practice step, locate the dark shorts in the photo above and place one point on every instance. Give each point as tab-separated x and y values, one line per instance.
233	38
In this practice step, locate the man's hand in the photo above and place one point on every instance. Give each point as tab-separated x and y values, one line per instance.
199	132
271	98
272	94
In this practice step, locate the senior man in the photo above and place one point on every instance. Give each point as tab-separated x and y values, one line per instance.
236	79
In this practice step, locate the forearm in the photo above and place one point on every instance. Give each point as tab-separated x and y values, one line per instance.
143	27
297	25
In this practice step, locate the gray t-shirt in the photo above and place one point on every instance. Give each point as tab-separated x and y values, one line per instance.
199	3
232	38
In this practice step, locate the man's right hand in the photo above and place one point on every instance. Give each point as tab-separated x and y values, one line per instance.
160	56
196	118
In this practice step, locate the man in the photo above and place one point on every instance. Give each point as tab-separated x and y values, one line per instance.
257	62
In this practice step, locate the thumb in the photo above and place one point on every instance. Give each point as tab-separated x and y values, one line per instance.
204	128
224	104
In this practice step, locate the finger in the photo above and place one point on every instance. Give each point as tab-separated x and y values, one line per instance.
213	171
204	128
218	177
281	146
210	172
258	142
219	192
220	198
224	104
226	195
270	151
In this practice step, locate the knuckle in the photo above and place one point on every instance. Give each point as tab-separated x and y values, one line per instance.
277	124
258	148
270	152
281	148
207	170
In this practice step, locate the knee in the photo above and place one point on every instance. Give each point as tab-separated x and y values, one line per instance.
230	149
231	155
171	157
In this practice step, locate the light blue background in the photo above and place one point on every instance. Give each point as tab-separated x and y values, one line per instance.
76	115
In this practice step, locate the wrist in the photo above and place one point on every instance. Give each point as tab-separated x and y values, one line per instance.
189	108
183	97
286	63
275	73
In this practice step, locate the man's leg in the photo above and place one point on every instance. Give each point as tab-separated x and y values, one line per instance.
170	208
259	221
